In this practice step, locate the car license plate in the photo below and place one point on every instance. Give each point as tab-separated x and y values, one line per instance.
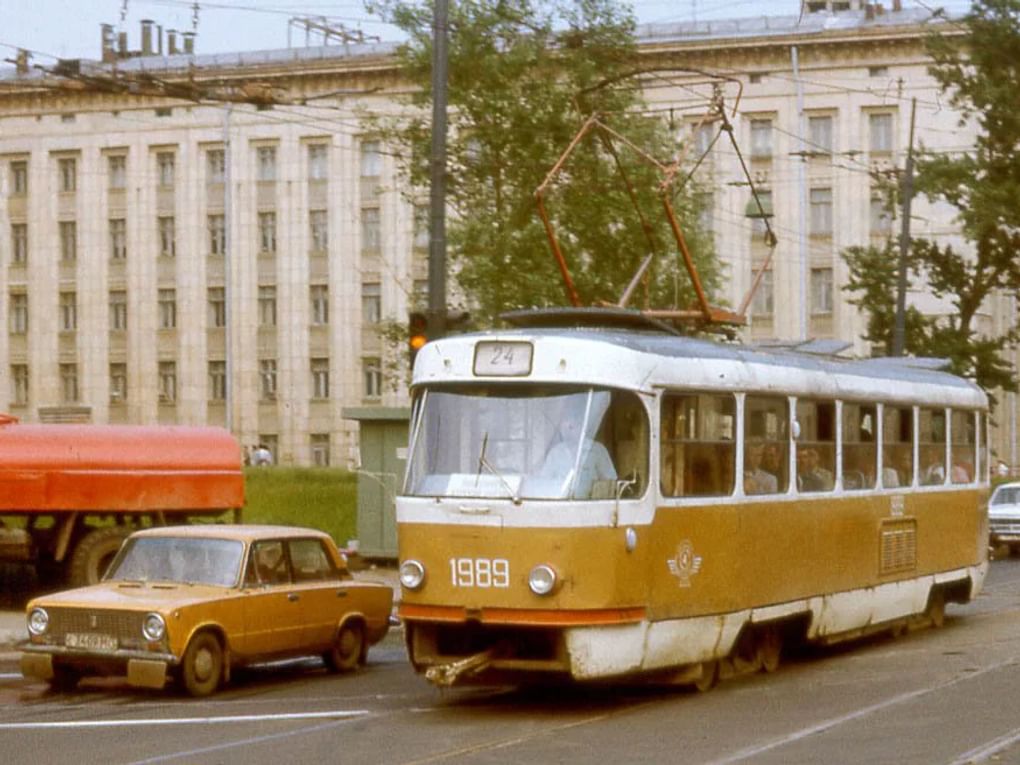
91	641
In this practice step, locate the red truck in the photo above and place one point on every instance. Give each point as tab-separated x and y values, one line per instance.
69	494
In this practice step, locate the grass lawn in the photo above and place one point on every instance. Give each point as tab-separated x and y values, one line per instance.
320	498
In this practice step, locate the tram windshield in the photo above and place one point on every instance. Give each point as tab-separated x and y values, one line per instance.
528	442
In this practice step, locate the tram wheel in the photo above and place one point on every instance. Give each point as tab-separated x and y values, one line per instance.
709	676
770	647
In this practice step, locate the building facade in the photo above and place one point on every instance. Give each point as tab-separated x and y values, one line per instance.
218	261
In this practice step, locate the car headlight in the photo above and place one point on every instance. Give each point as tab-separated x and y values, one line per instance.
38	621
412	574
153	627
542	579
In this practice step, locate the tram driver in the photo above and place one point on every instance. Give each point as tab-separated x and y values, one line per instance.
594	464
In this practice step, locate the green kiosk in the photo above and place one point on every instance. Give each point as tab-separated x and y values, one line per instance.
383	444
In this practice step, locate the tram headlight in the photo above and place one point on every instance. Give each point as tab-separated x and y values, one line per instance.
38	621
542	579
412	574
153	627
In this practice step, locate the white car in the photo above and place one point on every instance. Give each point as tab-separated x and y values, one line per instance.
1004	516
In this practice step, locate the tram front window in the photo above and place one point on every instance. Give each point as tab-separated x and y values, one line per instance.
528	442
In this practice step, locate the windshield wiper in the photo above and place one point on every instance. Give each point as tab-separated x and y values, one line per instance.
484	463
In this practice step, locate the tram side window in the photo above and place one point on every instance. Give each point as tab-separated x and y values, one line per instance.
860	450
698	447
931	441
816	446
897	447
964	446
766	444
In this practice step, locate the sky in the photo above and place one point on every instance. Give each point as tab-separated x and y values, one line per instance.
71	28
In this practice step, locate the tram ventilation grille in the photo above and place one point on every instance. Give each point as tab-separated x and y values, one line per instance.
899	547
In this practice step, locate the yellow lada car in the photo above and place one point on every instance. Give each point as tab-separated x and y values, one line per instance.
191	602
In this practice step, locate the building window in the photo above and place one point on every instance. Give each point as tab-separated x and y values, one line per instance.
68	311
167	382
422	227
217	381
371	302
267	306
217	301
372	370
116	167
878	71
118	310
320	304
761	139
267	232
118	238
318	222
320	378
880	130
19	178
67	169
19	243
167	236
320	449
371	159
370	229
318	161
267	379
266	163
820	132
704	135
880	215
758	222
820	223
167	308
216	166
68	241
165	169
18	314
69	383
19	384
821	290
118	383
217	234
763	304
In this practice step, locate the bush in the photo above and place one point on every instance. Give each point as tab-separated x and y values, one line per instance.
319	498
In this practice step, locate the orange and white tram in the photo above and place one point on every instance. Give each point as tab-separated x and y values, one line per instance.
605	502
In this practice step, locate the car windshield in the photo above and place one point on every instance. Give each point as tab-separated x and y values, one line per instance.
1006	495
186	560
528	442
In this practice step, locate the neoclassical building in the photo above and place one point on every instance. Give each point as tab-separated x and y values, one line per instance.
175	252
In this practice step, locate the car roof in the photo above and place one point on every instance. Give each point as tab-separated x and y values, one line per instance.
240	532
1010	485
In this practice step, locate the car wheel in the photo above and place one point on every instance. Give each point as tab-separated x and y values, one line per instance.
64	678
202	668
348	648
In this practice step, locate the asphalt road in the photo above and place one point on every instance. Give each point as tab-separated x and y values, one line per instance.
950	695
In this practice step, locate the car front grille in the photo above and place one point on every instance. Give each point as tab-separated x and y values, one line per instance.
126	626
1005	525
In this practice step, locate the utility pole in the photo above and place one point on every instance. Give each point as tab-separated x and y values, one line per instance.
899	328
437	193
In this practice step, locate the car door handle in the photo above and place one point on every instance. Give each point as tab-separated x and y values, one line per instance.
341	593
293	597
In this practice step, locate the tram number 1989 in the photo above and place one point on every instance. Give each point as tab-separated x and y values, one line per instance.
480	572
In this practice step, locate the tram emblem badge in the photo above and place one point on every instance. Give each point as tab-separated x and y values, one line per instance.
685	563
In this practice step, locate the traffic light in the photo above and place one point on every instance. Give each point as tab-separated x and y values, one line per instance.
417	334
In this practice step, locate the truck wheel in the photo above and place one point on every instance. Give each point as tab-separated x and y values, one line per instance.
94	553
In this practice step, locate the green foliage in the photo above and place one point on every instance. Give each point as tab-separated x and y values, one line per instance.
319	498
980	72
523	77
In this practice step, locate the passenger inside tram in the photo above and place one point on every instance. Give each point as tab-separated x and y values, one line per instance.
811	476
757	480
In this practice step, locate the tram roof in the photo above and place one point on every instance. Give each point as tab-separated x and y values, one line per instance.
640	359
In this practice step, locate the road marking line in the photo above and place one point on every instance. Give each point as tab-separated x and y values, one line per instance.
986	751
833	722
337	714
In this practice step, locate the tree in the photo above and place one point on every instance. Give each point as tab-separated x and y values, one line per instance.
980	72
523	77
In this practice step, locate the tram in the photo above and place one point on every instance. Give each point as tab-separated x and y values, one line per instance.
590	496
